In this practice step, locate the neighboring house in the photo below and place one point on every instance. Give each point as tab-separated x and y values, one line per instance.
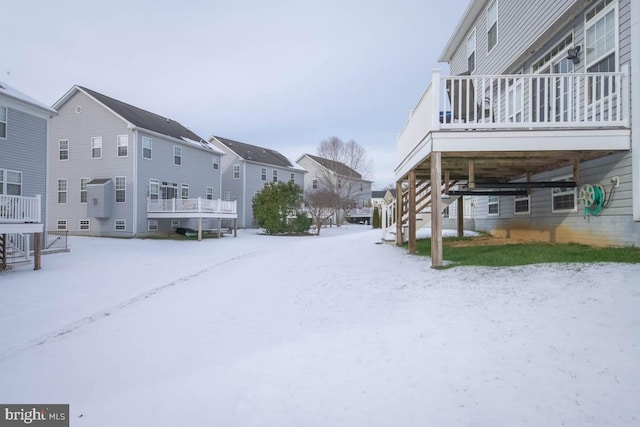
247	168
353	188
534	124
118	170
24	123
382	197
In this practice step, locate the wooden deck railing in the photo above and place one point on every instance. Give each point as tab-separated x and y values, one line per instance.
20	209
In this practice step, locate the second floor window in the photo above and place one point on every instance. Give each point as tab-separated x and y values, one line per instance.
10	182
236	171
314	184
492	25
177	155
600	43
292	177
154	189
3	122
63	149
275	175
62	190
209	193
96	147
471	51
123	145
184	191
263	174
83	189
121	189
216	163
146	147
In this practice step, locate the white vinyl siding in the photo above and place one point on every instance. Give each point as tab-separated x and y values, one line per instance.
121	189
63	186
123	145
63	149
147	144
96	147
120	224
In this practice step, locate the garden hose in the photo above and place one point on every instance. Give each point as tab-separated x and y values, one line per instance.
592	198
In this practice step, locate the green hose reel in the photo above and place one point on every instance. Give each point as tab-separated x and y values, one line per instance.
592	198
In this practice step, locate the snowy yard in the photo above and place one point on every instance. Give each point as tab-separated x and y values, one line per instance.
332	330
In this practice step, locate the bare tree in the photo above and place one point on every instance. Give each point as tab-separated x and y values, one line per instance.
321	206
346	164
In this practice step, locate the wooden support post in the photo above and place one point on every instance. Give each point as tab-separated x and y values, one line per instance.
461	216
576	171
199	228
436	210
412	211
3	253
235	227
399	206
37	251
446	181
472	174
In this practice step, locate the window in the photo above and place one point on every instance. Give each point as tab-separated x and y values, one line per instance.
120	225
62	190
121	189
493	203
314	184
61	225
123	145
339	183
209	193
146	147
96	147
263	174
184	191
85	225
522	204
292	177
175	223
275	175
236	171
154	189
471	51
492	25
152	225
83	189
226	196
10	182
563	199
169	190
515	102
216	163
3	122
177	155
600	43
63	149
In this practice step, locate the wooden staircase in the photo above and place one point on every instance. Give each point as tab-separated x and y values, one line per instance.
14	251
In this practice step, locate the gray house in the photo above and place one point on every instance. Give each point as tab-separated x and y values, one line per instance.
350	184
247	168
23	175
533	126
118	170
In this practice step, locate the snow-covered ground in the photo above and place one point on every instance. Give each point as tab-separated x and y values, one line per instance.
334	330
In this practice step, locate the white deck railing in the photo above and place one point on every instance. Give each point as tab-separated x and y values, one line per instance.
518	101
198	205
361	211
20	209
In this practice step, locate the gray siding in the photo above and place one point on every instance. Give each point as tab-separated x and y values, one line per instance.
24	149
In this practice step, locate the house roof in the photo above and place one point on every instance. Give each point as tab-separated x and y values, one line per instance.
144	119
379	194
255	153
14	93
335	166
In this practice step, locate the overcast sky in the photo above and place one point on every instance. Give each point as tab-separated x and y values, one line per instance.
279	74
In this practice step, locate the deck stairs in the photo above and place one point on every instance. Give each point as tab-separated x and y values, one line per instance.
14	251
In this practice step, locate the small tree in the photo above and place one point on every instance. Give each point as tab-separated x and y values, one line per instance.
321	206
275	204
377	220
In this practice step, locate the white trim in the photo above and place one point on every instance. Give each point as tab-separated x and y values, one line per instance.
62	222
60	149
123	222
492	203
65	191
124	180
125	145
85	189
142	140
96	140
519	199
177	154
88	221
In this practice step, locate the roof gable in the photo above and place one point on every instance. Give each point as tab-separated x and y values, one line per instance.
335	166
255	153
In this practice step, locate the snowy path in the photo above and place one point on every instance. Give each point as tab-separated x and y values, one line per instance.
263	331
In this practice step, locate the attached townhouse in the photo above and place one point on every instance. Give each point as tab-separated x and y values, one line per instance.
118	170
247	168
24	127
533	127
352	187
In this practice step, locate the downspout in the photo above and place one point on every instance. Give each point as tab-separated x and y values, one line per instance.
47	171
135	182
244	193
634	114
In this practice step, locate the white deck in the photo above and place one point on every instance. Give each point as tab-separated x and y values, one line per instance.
192	208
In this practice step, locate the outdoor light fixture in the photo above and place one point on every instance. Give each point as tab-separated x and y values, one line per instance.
572	54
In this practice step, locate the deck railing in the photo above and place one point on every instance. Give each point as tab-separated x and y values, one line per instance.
20	209
198	205
518	101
